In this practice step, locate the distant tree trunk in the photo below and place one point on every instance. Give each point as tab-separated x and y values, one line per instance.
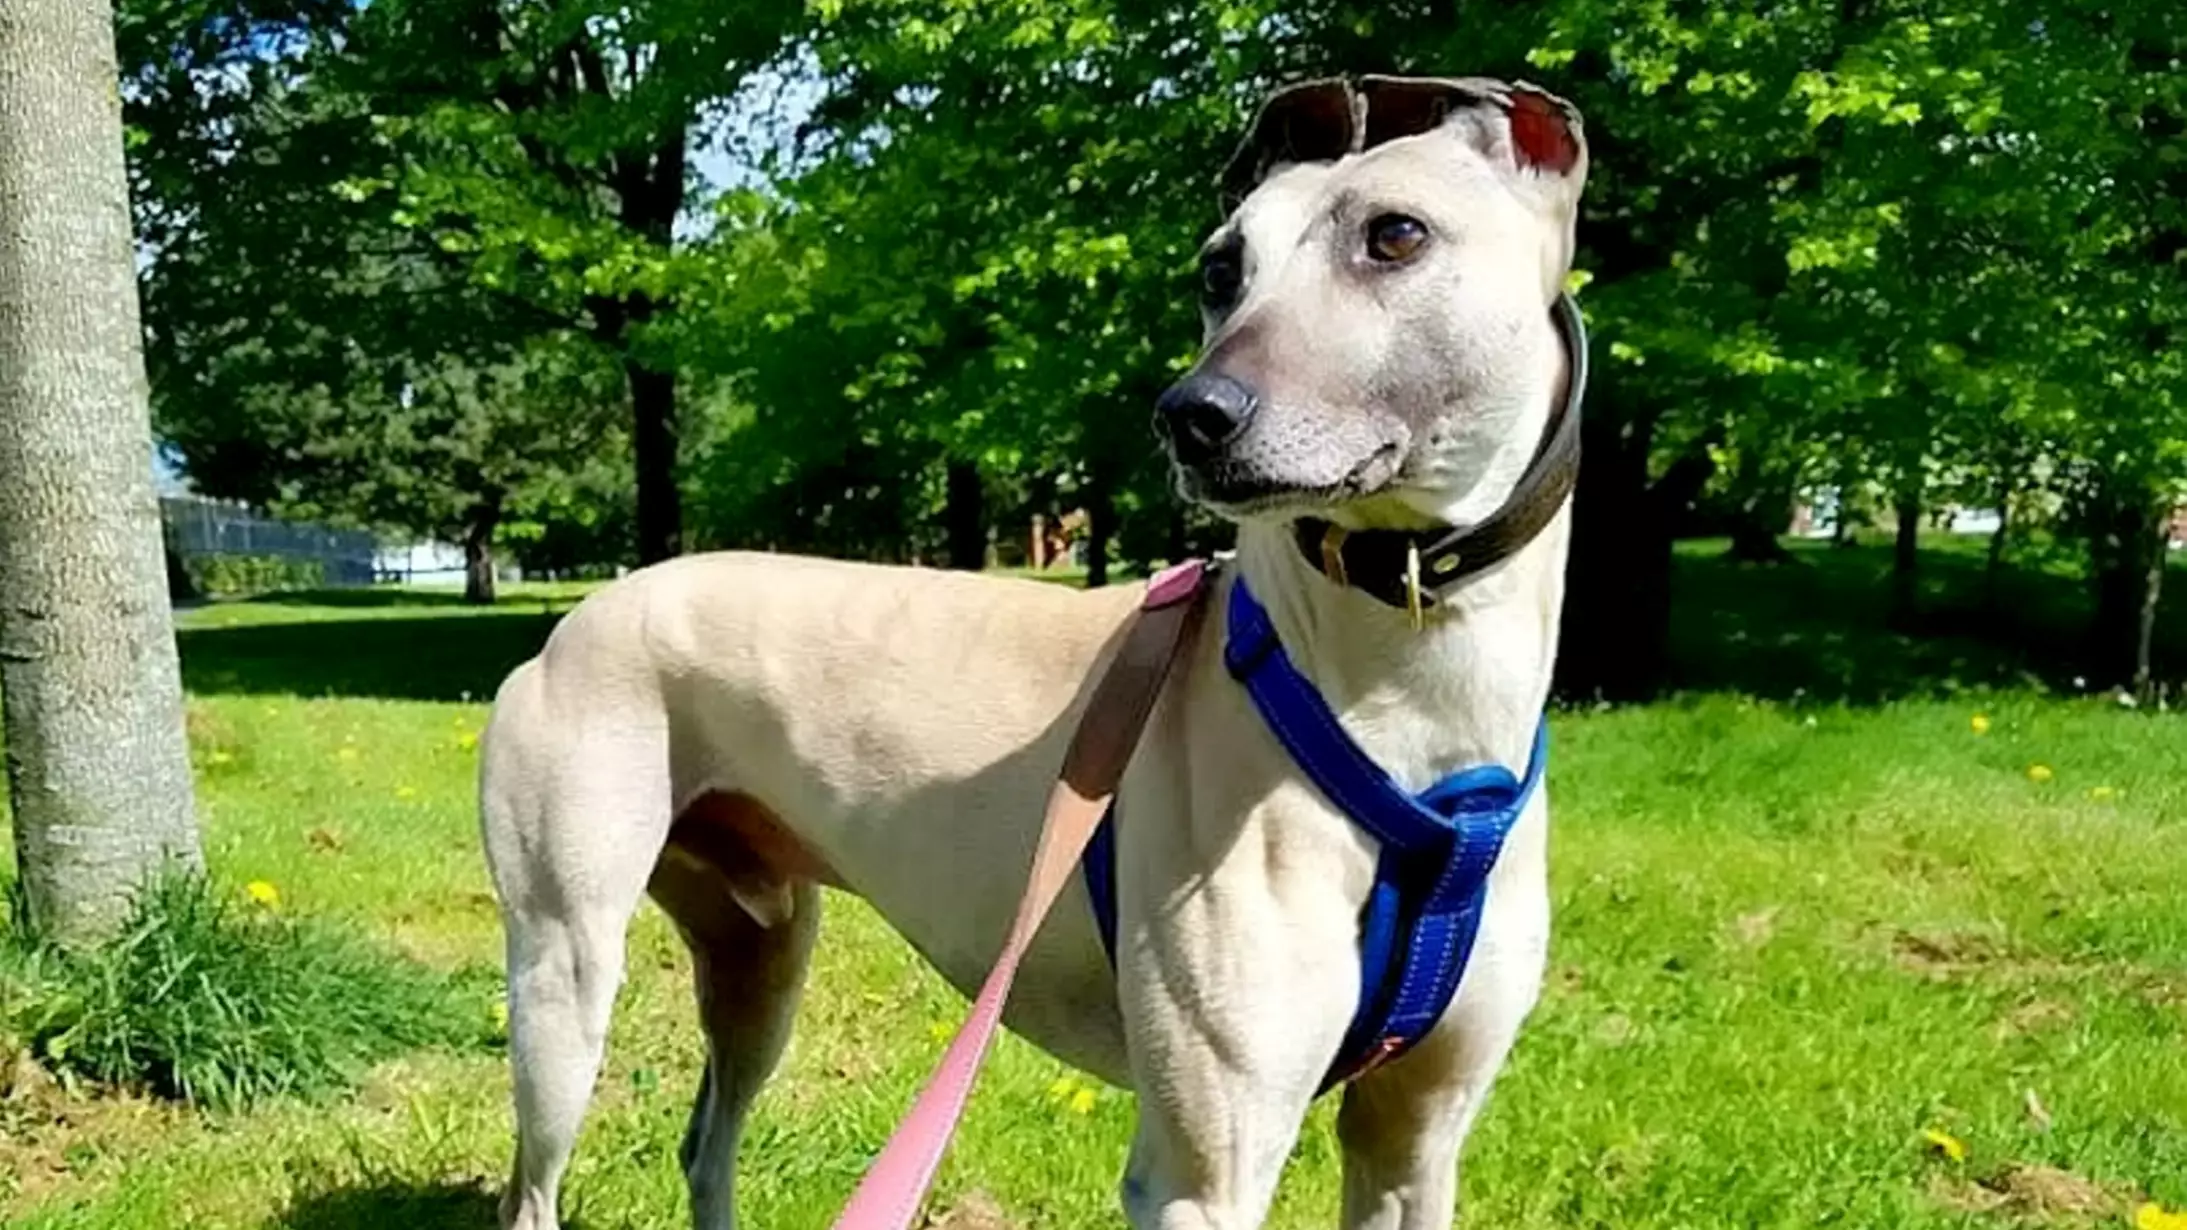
964	514
2127	552
1765	505
1906	559
1100	528
478	552
1993	568
97	764
653	430
1615	638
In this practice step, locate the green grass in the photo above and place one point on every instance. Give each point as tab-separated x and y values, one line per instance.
1804	914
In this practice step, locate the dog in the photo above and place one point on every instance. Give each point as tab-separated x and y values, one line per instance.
732	732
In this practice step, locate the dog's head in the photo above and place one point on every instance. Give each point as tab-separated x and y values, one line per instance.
1378	335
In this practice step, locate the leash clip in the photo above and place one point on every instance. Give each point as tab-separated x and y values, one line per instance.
1413	606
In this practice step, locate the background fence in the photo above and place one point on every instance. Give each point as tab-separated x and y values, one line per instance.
216	541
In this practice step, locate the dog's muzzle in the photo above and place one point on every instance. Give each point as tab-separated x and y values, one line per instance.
1203	414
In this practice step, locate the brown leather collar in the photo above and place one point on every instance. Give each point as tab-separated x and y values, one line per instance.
1382	562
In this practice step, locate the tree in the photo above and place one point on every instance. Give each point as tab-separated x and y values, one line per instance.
98	767
309	352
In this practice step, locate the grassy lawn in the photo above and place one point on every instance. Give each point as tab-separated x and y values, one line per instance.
1806	915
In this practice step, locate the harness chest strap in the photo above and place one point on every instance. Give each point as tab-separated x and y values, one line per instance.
1418	925
1176	601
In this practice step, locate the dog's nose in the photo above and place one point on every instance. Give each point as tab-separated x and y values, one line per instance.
1203	412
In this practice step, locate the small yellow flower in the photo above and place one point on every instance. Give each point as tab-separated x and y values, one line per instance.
2040	773
264	893
1082	1102
1979	723
467	740
2103	794
346	755
940	1031
1946	1143
219	757
2154	1216
1061	1087
406	792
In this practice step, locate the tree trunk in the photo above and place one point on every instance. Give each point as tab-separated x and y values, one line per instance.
964	516
653	429
1614	643
1993	567
478	553
2128	554
1100	529
98	766
2146	634
1906	559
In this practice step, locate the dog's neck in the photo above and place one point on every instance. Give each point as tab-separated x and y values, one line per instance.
1466	686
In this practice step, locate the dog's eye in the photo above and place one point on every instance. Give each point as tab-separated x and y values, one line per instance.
1394	237
1222	272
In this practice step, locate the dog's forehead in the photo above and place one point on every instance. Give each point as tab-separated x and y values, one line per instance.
1417	172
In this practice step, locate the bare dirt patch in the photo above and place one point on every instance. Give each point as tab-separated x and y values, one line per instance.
2035	1195
975	1210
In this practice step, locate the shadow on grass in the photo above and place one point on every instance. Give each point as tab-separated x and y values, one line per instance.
382	1206
1822	626
1819	627
367	597
426	657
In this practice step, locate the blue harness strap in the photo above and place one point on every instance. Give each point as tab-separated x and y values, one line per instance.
1418	925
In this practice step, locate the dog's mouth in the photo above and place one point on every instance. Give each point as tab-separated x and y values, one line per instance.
1238	490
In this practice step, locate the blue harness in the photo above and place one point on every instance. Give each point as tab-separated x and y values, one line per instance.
1418	925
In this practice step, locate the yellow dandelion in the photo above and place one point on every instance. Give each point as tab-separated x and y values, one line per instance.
346	755
406	792
2153	1216
2040	773
1061	1087
264	893
467	740
1082	1102
1946	1143
940	1031
2103	794
219	757
1979	723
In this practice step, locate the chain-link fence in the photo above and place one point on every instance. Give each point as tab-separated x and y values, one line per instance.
224	547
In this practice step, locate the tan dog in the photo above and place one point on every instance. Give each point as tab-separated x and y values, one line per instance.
729	732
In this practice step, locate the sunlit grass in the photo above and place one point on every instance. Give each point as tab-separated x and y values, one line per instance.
1796	941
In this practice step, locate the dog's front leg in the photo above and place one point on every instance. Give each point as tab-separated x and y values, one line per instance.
1234	1005
1402	1126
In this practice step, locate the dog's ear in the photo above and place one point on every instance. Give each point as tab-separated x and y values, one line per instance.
1516	125
1313	121
1519	125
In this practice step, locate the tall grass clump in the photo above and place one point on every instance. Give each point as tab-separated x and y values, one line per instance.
223	1002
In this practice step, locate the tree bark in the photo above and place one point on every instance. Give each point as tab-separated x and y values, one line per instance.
1614	642
653	430
1906	559
97	762
2128	557
1993	567
478	552
1100	528
964	515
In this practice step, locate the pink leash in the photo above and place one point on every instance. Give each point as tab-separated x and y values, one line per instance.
888	1197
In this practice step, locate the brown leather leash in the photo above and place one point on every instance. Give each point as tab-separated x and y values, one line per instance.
1175	606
